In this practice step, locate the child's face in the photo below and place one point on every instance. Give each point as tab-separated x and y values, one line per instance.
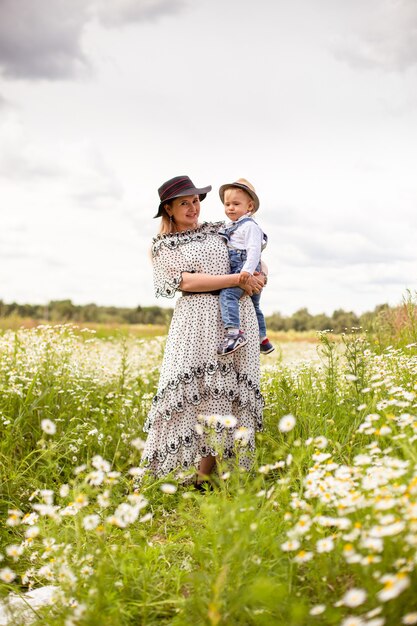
237	203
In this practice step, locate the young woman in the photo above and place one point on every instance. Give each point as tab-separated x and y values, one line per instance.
197	387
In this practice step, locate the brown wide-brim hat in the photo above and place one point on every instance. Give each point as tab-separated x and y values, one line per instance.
241	183
177	187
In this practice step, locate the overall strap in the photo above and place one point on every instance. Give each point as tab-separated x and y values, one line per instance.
226	232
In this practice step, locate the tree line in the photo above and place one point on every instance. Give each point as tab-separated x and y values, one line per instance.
57	311
66	311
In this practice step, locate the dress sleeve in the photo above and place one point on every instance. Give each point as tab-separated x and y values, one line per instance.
168	266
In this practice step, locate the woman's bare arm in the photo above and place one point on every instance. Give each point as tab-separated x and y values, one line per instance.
209	282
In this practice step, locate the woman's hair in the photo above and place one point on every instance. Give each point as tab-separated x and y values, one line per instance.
166	223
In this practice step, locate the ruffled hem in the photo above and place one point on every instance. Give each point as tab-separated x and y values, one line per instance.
184	451
210	381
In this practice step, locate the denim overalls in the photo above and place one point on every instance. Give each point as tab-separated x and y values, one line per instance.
229	297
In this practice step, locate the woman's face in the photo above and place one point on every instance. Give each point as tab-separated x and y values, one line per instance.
185	212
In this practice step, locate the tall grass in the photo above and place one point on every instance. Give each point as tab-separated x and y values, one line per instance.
322	530
396	326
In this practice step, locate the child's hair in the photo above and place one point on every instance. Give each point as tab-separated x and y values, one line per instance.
243	191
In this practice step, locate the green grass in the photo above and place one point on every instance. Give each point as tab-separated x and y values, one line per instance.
250	552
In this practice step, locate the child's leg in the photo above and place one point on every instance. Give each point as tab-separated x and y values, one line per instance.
265	345
229	306
256	299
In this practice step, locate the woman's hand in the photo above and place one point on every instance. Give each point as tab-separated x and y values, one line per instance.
251	284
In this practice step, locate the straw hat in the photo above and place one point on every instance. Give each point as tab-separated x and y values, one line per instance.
244	184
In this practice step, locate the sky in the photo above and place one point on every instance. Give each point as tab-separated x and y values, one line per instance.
313	101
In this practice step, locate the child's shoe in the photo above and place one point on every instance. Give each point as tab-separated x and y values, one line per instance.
232	343
266	346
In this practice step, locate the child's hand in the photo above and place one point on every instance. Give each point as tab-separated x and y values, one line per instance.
244	277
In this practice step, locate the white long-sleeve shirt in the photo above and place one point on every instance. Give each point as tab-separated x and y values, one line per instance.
248	237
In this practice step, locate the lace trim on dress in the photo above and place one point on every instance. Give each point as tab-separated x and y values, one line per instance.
185	390
168	289
166	460
174	240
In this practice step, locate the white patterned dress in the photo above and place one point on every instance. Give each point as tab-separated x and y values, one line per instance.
194	380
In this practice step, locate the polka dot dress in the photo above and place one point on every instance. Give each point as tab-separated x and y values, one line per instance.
195	383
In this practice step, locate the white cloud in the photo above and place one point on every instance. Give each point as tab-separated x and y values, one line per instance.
112	13
44	39
383	37
20	160
76	172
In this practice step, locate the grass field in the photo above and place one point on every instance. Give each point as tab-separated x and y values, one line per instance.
322	531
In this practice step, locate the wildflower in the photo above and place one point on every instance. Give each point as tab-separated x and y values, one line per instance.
243	435
375	544
354	597
14	551
7	575
387	531
124	515
113	476
146	518
210	420
225	475
138	443
168	488
320	442
229	421
32	532
385	430
351	377
325	545
47	510
64	490
302	527
103	499
352	620
318	609
100	464
48	426
286	423
137	472
30	518
15	517
410	618
46	572
95	478
291	545
81	500
47	496
90	522
137	500
303	556
394	584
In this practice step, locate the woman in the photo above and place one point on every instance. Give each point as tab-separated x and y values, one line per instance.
194	384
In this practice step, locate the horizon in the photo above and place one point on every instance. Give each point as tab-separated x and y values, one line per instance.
134	307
